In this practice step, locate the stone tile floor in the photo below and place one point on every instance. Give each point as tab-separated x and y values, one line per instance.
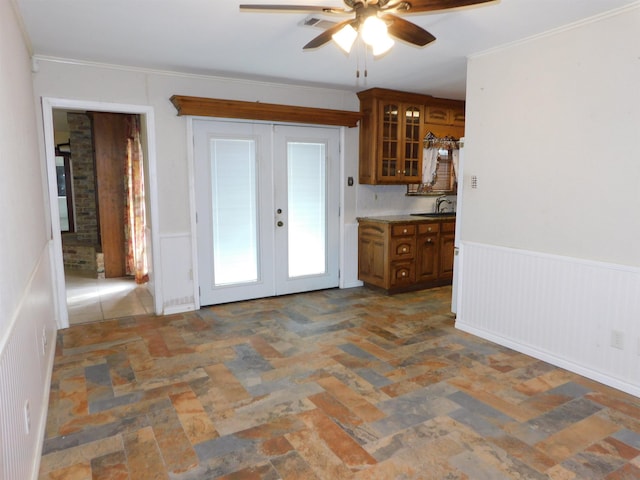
335	384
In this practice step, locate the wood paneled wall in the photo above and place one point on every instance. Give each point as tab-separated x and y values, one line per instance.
110	147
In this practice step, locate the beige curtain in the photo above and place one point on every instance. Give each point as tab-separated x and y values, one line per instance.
135	214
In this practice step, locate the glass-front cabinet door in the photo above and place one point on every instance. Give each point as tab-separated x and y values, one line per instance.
390	138
412	142
400	150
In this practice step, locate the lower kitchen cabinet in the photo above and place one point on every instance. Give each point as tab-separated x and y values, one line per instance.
371	255
403	253
427	252
447	239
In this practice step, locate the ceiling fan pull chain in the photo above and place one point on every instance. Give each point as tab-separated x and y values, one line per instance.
358	60
365	63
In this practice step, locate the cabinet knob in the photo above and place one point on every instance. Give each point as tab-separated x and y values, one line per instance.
429	229
404	231
428	240
404	274
404	249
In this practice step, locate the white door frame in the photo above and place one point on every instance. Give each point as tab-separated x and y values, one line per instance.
147	116
192	195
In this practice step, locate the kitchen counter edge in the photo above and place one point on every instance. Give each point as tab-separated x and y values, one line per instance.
405	218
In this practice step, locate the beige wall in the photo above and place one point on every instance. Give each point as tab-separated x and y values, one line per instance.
552	136
26	293
24	226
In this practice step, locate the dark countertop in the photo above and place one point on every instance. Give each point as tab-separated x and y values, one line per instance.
407	218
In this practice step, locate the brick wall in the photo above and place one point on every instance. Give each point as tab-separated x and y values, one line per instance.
84	184
80	250
79	256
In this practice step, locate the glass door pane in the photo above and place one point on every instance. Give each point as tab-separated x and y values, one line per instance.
307	191
234	211
390	139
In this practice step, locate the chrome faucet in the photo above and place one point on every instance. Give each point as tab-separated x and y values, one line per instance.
440	200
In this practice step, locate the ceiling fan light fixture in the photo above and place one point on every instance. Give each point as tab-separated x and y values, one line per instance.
345	37
372	30
370	20
382	45
374	33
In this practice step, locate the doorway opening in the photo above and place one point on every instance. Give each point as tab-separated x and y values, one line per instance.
101	173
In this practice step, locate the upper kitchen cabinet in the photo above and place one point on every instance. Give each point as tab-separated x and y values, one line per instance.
445	114
392	132
390	137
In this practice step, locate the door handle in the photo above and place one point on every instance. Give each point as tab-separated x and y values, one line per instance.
280	223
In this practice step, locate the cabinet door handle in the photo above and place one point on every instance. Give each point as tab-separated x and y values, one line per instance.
280	224
428	240
404	249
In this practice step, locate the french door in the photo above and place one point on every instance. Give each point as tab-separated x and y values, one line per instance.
267	204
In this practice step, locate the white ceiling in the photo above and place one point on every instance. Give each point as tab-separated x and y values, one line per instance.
213	37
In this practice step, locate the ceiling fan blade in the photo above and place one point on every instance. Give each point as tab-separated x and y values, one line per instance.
292	8
325	36
417	6
407	31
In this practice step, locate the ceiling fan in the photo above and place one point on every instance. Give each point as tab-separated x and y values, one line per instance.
374	20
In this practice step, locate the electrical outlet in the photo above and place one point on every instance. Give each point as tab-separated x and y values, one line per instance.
27	417
617	339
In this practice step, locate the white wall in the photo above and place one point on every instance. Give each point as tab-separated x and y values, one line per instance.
26	294
391	199
552	135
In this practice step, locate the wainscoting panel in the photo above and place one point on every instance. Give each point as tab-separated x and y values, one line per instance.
581	315
349	271
177	274
26	359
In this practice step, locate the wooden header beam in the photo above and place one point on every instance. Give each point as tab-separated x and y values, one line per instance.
212	107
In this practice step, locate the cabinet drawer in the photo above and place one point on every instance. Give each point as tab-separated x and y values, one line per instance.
428	228
402	273
403	248
448	227
399	230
